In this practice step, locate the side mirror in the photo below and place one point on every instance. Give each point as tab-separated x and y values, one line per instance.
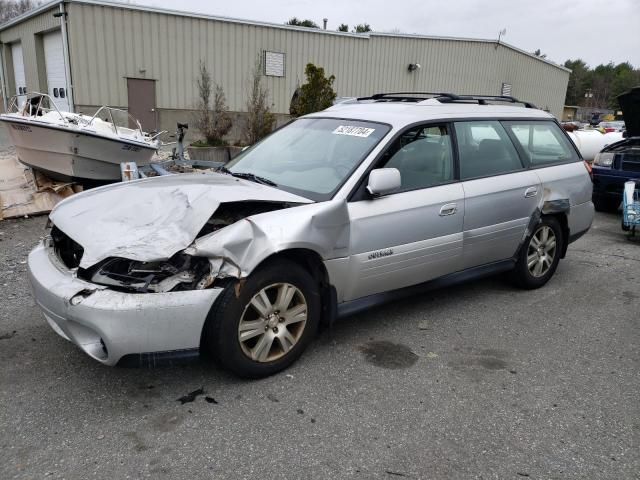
383	181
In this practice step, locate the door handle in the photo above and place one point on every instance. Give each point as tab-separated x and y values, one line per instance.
448	209
531	192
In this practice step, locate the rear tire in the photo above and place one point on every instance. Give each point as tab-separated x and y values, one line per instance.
260	326
539	255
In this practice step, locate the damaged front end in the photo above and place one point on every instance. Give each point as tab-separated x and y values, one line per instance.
179	272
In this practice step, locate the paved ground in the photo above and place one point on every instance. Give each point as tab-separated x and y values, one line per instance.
476	381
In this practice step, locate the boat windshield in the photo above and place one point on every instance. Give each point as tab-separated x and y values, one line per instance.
311	157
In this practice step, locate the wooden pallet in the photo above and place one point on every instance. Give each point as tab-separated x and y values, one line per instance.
25	192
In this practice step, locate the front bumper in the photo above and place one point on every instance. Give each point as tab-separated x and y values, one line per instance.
608	183
107	324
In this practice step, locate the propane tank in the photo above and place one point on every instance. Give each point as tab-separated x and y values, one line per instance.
590	142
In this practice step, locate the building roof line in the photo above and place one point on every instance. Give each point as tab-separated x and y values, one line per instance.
31	13
128	6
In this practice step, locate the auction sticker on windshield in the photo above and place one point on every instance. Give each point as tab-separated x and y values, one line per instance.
353	131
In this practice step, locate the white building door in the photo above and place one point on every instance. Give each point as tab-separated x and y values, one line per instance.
54	64
18	72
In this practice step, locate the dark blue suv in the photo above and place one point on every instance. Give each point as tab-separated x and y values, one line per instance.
620	161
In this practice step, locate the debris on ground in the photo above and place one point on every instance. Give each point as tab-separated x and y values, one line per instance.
24	191
211	400
190	397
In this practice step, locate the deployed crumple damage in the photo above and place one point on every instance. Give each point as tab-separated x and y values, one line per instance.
238	249
551	202
152	219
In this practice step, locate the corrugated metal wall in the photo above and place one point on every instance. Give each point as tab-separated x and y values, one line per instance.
25	32
108	44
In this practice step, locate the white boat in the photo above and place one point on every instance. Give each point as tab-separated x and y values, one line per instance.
69	145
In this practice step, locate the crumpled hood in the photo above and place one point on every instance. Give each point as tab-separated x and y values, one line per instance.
154	218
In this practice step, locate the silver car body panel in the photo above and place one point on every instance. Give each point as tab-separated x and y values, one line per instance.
497	212
126	323
403	239
239	248
367	246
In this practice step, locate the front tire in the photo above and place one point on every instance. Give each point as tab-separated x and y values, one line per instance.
539	255
262	325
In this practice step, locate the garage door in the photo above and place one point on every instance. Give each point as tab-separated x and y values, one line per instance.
54	63
18	72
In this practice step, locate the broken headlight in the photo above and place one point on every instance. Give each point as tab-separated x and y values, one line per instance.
180	272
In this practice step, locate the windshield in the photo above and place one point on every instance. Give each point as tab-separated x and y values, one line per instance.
311	157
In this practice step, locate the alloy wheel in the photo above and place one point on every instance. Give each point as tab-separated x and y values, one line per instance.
272	322
541	251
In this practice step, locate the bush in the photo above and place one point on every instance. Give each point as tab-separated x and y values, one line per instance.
213	122
315	95
260	120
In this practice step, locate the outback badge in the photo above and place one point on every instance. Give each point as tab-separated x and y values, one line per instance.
381	253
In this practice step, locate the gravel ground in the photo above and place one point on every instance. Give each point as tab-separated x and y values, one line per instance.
475	381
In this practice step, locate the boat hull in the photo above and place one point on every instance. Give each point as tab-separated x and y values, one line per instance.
73	154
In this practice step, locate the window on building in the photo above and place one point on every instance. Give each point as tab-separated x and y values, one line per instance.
506	89
274	64
542	142
484	149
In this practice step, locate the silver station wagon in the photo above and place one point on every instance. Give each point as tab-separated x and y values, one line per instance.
332	213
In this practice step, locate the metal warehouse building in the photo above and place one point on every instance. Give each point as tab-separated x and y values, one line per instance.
90	53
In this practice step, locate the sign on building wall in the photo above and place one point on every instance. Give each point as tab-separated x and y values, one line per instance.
274	64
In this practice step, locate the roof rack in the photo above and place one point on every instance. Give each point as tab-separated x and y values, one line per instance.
482	99
444	98
407	96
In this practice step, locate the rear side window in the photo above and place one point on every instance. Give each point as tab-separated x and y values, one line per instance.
542	142
485	149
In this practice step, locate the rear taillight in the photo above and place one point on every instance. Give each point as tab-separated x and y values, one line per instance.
587	165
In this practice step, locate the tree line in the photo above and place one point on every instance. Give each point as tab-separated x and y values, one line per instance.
599	87
10	8
343	27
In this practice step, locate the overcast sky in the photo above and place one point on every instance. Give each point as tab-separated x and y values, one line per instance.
598	31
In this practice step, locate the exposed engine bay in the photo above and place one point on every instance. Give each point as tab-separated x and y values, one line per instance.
229	213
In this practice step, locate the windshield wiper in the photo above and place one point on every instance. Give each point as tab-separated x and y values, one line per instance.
252	177
247	176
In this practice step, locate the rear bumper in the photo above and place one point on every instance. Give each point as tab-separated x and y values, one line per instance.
107	325
579	220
